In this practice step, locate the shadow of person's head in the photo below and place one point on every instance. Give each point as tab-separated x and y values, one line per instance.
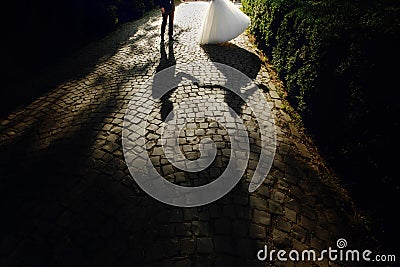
235	57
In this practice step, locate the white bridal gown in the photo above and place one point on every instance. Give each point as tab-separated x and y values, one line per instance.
223	22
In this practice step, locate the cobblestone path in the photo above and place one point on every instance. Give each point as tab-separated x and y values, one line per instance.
67	198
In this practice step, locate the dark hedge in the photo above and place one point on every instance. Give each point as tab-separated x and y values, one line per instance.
339	62
66	23
38	35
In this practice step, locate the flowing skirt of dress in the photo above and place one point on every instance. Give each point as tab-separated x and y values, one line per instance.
223	22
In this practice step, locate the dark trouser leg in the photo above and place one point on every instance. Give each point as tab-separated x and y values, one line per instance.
171	24
163	24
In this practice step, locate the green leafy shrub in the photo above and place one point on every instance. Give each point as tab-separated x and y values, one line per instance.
150	4
130	9
338	60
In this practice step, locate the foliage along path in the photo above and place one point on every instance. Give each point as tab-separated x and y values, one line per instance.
68	199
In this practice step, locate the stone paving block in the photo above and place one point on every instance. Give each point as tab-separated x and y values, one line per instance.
283	225
290	214
281	240
307	223
167	169
200	228
278	196
275	208
190	214
183	229
258	203
303	150
204	245
273	94
262	217
182	263
187	246
257	231
309	212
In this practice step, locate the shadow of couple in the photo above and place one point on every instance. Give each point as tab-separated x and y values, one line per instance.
167	80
